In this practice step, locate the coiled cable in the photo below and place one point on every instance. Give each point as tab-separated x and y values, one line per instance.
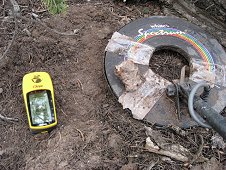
193	114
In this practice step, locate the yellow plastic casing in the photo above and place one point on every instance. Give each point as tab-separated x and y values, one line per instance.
33	82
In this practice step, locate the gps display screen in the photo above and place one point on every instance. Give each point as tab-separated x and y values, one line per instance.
40	108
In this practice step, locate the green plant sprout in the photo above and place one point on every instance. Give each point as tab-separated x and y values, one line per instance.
56	6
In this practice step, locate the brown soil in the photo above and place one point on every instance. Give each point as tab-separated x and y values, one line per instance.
94	132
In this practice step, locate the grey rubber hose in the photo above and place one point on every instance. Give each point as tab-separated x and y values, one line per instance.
193	114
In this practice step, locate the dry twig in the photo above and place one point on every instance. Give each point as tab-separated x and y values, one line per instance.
63	112
36	20
151	147
15	12
8	119
80	84
83	138
198	154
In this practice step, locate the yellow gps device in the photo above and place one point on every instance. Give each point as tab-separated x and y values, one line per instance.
38	96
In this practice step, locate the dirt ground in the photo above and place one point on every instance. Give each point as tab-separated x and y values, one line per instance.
94	132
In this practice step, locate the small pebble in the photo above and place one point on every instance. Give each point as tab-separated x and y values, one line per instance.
1	90
105	105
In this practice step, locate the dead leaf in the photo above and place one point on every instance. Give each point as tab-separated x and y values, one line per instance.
218	142
129	74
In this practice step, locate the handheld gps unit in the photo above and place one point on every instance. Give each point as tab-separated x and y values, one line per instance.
38	96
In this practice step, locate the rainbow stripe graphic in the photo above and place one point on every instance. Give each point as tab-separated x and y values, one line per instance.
200	48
